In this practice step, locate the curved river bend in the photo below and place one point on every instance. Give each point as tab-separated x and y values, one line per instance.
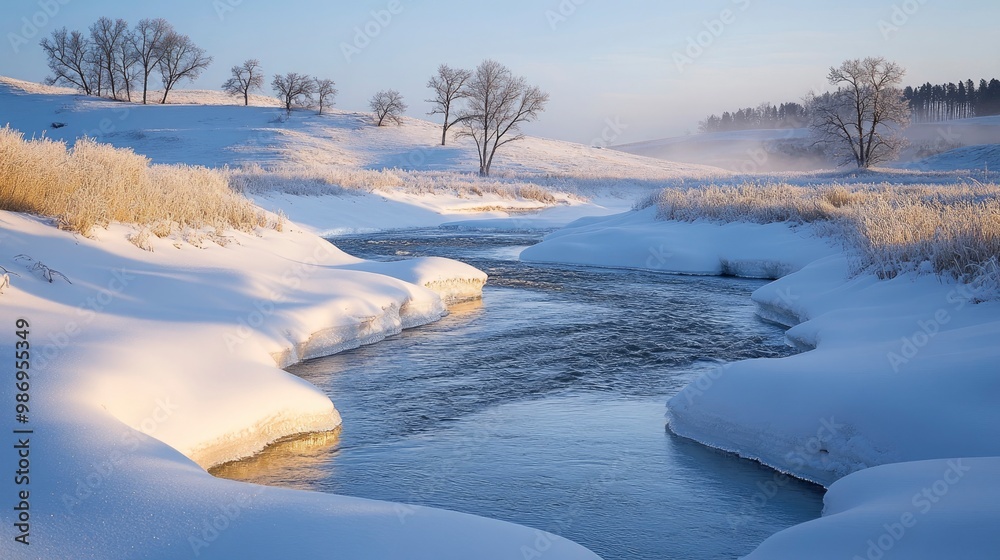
544	405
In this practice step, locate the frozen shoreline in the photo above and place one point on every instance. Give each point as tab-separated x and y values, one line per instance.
894	372
151	366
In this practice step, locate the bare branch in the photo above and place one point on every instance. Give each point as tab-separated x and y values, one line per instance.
448	87
182	60
148	38
497	103
861	122
326	90
294	90
388	105
68	56
245	78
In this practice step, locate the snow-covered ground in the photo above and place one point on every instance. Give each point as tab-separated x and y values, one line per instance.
745	151
980	156
206	131
943	508
895	372
782	150
150	366
147	367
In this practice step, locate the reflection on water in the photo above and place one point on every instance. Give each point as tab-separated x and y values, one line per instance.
544	405
293	462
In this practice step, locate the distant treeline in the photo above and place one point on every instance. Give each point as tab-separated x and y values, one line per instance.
943	102
930	103
766	115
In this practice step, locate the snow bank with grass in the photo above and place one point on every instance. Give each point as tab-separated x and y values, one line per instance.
639	240
149	366
893	372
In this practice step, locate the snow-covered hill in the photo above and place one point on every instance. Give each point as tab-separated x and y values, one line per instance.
985	157
140	368
215	130
744	151
212	129
184	343
752	151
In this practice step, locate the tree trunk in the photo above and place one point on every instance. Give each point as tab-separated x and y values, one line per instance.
444	128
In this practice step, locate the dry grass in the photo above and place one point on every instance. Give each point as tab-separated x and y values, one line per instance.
951	230
331	180
92	185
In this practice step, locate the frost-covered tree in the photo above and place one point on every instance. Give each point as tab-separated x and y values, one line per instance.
496	104
388	106
148	39
448	86
182	60
326	90
127	64
107	38
68	56
294	90
861	122
245	78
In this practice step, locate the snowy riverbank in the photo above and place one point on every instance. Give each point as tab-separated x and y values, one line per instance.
899	370
147	367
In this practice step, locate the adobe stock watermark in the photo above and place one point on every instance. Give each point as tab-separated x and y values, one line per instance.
562	12
922	503
219	521
593	488
613	130
814	449
658	257
443	475
370	30
101	472
900	16
265	308
87	312
929	328
32	25
225	7
414	159
107	125
698	44
704	382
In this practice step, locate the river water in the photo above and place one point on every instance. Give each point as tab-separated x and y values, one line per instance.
544	405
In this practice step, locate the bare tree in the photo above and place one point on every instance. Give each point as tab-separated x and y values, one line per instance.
448	87
148	40
127	64
181	60
294	89
497	103
861	122
388	105
246	78
325	90
95	69
68	59
107	37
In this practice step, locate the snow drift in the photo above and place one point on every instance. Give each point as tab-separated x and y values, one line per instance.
147	367
894	372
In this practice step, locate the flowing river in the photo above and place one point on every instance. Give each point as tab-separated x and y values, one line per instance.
544	405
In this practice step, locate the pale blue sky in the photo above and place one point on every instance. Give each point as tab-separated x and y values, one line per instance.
607	60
